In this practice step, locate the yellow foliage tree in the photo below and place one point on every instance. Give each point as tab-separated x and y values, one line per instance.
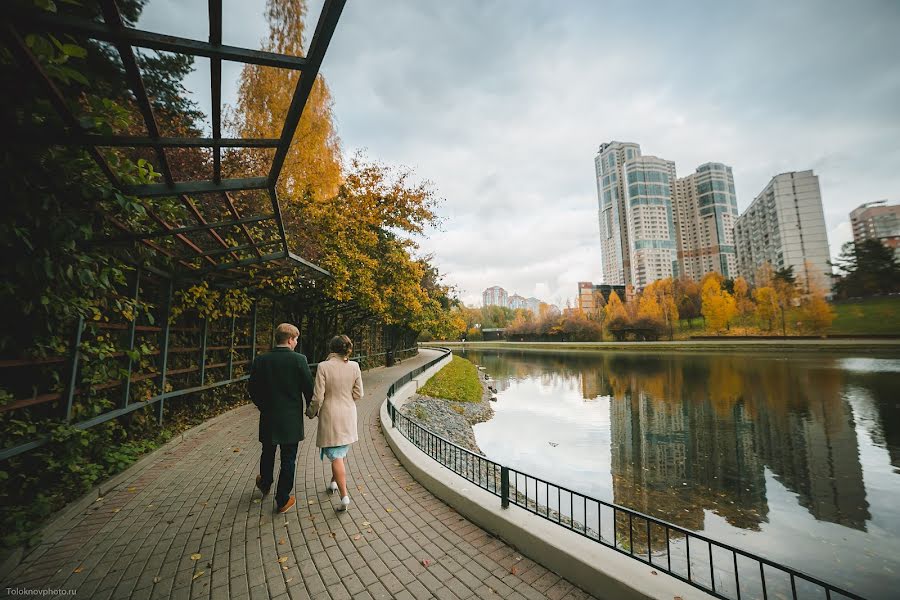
766	305
718	305
313	163
816	315
742	297
614	308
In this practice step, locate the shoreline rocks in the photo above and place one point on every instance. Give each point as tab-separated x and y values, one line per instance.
449	419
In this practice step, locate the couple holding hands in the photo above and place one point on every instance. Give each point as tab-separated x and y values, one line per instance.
279	381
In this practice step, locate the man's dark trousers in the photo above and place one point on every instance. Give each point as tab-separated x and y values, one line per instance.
285	475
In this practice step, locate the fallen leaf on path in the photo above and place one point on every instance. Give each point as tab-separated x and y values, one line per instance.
426	562
281	541
312	501
196	556
356	537
284	568
256	501
132	489
513	570
237	449
366	524
389	509
289	579
654	573
78	569
156	580
115	510
283	559
196	575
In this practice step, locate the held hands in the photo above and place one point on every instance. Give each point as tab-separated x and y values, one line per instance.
312	410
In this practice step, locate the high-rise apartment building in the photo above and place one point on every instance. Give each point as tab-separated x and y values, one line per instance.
494	296
785	226
609	166
705	213
651	235
516	301
877	221
533	304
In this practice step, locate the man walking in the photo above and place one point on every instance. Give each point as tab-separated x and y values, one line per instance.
277	380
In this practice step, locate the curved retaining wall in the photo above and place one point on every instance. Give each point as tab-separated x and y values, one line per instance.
598	570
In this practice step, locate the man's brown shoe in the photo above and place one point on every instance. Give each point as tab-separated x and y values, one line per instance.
287	505
264	490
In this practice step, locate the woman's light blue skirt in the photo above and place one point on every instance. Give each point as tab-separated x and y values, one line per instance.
333	452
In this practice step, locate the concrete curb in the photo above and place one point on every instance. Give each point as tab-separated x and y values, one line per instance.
598	570
51	532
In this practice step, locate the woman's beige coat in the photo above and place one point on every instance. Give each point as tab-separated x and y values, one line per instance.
338	387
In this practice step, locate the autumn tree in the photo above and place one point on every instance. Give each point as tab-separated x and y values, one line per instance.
664	291
766	305
312	169
784	282
742	298
687	298
815	314
718	305
616	316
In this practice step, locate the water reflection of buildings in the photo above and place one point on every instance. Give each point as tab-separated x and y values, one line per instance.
715	423
695	433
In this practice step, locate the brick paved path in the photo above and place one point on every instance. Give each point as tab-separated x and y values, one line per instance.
198	497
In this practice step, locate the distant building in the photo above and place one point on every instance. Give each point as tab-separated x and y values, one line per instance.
785	226
706	210
877	221
494	296
533	304
516	301
650	218
592	297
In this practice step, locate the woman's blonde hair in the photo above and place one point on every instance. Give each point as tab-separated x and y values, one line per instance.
340	344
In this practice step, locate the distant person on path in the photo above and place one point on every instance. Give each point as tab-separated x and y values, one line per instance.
277	380
338	387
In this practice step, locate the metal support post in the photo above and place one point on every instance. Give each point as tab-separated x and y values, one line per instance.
132	329
203	342
73	368
253	331
164	346
504	486
231	350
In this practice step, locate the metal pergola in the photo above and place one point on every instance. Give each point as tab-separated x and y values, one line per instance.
232	235
209	240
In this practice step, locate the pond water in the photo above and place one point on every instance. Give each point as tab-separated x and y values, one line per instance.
795	458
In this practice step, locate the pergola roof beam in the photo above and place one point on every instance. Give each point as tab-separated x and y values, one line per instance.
155	190
157	41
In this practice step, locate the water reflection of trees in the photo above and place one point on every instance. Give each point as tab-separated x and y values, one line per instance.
695	432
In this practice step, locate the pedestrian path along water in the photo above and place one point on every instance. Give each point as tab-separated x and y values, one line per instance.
187	522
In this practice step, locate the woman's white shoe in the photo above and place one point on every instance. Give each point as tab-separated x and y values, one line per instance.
332	487
345	504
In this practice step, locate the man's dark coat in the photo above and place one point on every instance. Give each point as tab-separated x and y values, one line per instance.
277	379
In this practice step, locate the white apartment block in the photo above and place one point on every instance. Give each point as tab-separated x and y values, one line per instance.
533	304
494	296
785	226
705	214
651	234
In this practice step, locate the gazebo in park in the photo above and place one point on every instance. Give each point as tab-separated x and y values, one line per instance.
233	237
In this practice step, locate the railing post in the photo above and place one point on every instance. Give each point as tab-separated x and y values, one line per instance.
164	347
132	330
393	410
504	487
73	368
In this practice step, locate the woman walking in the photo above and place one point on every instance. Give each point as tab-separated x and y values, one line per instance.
338	387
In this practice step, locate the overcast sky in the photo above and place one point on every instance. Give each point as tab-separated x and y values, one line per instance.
502	104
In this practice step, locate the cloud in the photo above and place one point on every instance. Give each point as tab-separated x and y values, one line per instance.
503	104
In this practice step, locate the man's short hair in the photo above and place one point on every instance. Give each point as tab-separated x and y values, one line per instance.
285	332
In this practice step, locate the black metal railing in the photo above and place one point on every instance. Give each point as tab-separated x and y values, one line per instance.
714	567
